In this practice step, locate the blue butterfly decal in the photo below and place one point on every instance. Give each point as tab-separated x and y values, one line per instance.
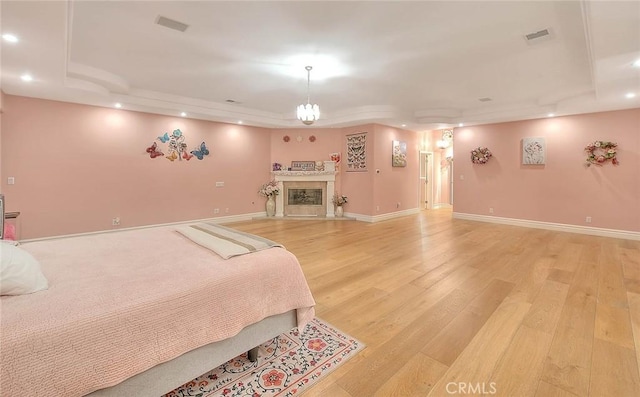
202	152
177	133
164	138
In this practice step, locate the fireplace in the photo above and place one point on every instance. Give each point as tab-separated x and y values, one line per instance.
302	198
305	197
306	193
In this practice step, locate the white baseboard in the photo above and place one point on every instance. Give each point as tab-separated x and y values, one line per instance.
561	227
220	219
382	217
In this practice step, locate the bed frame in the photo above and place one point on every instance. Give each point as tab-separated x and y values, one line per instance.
167	376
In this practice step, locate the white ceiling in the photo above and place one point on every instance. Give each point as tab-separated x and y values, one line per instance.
425	64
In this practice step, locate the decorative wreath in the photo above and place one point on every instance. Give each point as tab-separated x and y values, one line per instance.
286	138
480	155
599	152
312	138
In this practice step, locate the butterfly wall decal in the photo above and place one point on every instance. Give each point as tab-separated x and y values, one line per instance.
153	151
164	138
186	156
202	152
172	156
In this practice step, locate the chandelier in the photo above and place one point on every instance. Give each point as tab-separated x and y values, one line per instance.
308	113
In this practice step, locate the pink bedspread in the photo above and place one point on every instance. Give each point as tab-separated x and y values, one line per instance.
120	303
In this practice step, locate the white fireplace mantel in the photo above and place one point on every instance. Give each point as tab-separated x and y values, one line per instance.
328	176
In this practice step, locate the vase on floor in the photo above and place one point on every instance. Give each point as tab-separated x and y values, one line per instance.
339	211
271	206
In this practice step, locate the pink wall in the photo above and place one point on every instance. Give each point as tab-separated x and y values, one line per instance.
563	190
367	191
300	148
1	111
76	167
394	185
358	186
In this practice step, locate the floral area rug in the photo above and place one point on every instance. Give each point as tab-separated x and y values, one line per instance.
286	365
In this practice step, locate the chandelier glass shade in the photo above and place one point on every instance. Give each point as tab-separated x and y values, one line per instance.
308	113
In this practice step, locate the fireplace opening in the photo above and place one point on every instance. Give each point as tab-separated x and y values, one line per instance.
304	197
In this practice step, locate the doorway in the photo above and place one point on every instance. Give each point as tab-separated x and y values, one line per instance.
426	181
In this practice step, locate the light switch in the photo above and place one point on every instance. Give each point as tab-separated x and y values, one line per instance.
219	184
11	180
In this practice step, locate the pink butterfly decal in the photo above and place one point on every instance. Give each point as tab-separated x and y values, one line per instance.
153	151
186	156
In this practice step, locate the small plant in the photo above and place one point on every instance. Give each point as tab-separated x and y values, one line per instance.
339	200
269	189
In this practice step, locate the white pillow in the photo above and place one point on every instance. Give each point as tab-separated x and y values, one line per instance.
19	272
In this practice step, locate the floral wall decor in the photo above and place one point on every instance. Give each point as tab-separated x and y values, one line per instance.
480	155
201	151
533	151
177	145
399	154
357	152
176	148
153	151
601	152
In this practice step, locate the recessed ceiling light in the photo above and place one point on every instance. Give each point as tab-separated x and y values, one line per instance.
240	122
630	95
118	105
183	114
10	38
404	125
636	64
550	114
461	125
26	77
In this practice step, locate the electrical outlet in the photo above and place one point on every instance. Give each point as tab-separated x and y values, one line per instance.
588	220
216	210
11	180
491	210
462	177
219	184
115	221
377	208
398	205
226	210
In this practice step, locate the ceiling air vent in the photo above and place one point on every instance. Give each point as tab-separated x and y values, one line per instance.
171	24
485	99
539	36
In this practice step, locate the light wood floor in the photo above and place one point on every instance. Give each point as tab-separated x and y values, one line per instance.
452	307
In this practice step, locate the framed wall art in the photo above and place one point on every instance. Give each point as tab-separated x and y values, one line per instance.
399	154
533	151
357	152
303	166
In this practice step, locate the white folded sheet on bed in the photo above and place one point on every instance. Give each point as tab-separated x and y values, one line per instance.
120	303
224	241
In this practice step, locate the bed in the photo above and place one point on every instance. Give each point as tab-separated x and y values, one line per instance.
142	312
